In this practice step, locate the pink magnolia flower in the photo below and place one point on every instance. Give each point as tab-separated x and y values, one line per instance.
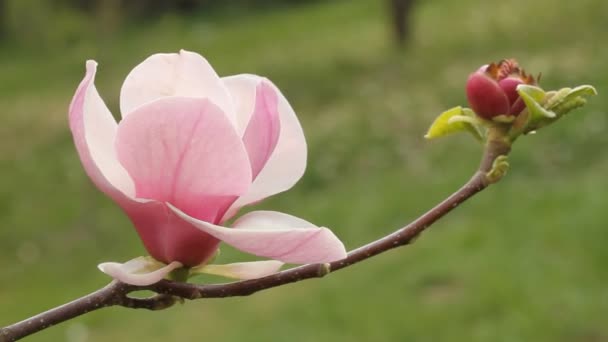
191	149
492	89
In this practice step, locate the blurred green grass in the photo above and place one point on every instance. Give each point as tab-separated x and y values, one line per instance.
523	261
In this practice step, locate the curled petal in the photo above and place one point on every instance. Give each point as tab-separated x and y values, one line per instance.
509	87
242	270
140	271
262	132
486	97
185	74
94	130
276	235
184	151
287	162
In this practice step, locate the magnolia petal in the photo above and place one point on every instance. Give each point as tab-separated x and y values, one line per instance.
242	270
287	163
94	130
185	74
485	96
276	235
167	237
140	271
184	151
262	133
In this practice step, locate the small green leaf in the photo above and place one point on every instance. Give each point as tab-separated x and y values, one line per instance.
568	106
572	98
536	93
583	90
500	166
556	98
546	107
455	120
533	101
462	118
468	112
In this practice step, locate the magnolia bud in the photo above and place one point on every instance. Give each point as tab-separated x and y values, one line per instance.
492	89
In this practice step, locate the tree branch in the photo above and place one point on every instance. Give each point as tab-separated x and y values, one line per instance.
169	292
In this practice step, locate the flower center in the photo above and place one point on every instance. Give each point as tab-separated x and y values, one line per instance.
509	68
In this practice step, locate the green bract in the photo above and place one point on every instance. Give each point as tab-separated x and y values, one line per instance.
456	120
546	107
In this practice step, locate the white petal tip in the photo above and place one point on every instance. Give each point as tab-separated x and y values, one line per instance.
139	271
91	64
243	270
328	248
104	267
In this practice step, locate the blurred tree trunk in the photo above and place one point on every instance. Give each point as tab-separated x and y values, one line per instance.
3	19
86	5
400	12
188	5
109	16
145	8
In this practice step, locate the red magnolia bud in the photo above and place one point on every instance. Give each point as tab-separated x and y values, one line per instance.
491	90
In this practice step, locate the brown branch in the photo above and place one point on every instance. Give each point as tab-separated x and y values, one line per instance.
169	292
115	293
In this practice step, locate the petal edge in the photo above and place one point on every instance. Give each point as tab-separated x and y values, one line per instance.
94	130
242	270
135	271
287	162
269	234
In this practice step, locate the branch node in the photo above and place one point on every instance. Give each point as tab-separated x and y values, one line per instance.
499	169
323	270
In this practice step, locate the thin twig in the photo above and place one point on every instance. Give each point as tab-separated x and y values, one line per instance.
169	292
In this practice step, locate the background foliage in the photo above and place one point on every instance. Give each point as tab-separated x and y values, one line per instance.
523	261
